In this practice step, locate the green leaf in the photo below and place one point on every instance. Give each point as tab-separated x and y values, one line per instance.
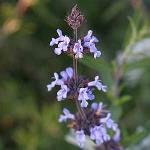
101	66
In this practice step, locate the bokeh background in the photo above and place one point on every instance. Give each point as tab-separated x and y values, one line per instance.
28	113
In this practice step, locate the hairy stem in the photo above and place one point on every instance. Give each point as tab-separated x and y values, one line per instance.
75	75
75	69
74	59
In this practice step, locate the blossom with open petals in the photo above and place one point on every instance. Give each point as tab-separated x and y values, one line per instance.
62	93
98	84
66	115
78	49
80	138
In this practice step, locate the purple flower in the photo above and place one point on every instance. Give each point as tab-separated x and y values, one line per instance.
68	73
66	115
64	75
97	54
84	95
57	81
99	134
116	136
62	41
88	36
62	93
60	38
97	106
109	122
62	46
78	49
98	84
94	50
89	42
80	137
90	94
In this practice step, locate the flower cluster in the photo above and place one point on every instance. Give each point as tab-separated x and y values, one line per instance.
112	144
93	121
77	48
96	123
82	90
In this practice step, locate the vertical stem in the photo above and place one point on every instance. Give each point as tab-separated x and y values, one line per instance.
75	68
76	34
75	63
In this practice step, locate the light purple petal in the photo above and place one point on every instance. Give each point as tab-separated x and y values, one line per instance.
64	75
69	71
99	134
79	55
84	96
52	42
57	81
57	50
88	36
104	88
78	49
66	111
62	93
92	83
56	76
116	136
98	84
94	39
80	137
59	32
109	122
66	115
84	103
94	106
96	135
92	47
62	118
49	87
114	126
97	54
90	95
97	106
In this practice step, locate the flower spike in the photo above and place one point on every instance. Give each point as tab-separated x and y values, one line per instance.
90	120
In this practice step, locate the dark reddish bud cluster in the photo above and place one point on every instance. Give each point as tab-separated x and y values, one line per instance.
75	19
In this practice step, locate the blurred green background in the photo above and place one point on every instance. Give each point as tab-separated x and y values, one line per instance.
28	113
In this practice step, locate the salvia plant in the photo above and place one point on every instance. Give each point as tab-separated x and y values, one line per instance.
89	120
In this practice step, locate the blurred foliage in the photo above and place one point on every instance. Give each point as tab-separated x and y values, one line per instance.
28	113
